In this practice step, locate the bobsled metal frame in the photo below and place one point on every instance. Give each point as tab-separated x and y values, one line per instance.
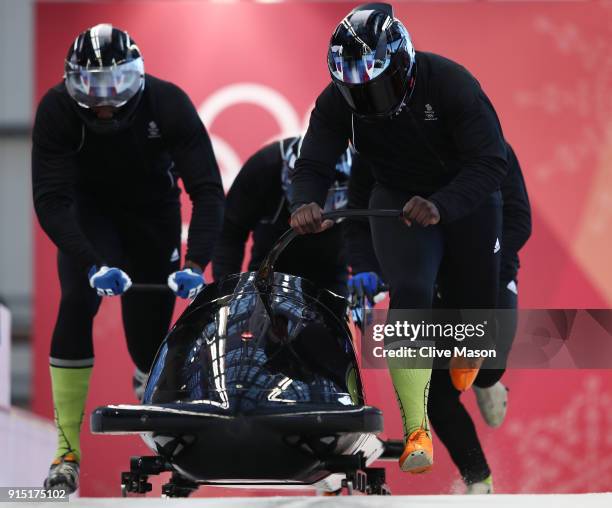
358	477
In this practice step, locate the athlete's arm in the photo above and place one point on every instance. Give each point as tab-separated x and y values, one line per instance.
327	137
516	228
245	207
195	162
55	141
480	148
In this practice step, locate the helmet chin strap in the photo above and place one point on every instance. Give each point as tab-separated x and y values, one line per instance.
407	95
400	108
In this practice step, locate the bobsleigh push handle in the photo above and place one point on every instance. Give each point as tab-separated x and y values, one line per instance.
266	270
146	287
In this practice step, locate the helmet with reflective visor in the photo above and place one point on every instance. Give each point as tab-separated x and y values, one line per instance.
371	60
104	67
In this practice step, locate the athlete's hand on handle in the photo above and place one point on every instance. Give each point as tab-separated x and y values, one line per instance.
109	281
308	219
366	284
187	283
421	211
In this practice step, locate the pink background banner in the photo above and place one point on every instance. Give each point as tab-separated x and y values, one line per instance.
253	70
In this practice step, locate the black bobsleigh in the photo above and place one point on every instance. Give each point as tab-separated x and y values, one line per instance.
257	383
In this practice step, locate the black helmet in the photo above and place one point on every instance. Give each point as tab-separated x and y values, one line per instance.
337	194
372	61
104	67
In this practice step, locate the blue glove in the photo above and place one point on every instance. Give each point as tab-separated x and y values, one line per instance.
365	283
109	281
186	283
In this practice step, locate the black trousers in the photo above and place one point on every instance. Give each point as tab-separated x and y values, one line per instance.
145	245
447	414
460	257
462	261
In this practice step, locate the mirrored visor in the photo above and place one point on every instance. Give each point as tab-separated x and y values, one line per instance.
105	86
360	66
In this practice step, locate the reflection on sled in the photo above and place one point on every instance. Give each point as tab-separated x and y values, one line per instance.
256	383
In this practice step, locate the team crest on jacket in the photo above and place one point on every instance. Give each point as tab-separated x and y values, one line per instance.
430	114
153	130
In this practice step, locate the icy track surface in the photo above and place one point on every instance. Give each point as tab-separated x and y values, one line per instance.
498	501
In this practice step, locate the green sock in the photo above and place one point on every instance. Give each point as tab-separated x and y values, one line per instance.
351	383
69	388
487	481
411	389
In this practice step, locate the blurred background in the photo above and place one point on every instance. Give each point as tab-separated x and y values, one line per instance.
253	70
16	233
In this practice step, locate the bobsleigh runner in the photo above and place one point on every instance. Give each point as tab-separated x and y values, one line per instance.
257	383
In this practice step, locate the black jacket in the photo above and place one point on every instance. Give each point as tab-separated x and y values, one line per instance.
133	170
446	144
516	227
256	203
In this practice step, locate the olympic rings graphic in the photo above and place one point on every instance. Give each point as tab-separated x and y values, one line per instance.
270	100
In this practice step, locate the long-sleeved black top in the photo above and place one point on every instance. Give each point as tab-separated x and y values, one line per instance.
256	203
516	227
446	144
132	170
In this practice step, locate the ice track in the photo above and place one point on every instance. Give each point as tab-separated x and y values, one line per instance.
497	501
